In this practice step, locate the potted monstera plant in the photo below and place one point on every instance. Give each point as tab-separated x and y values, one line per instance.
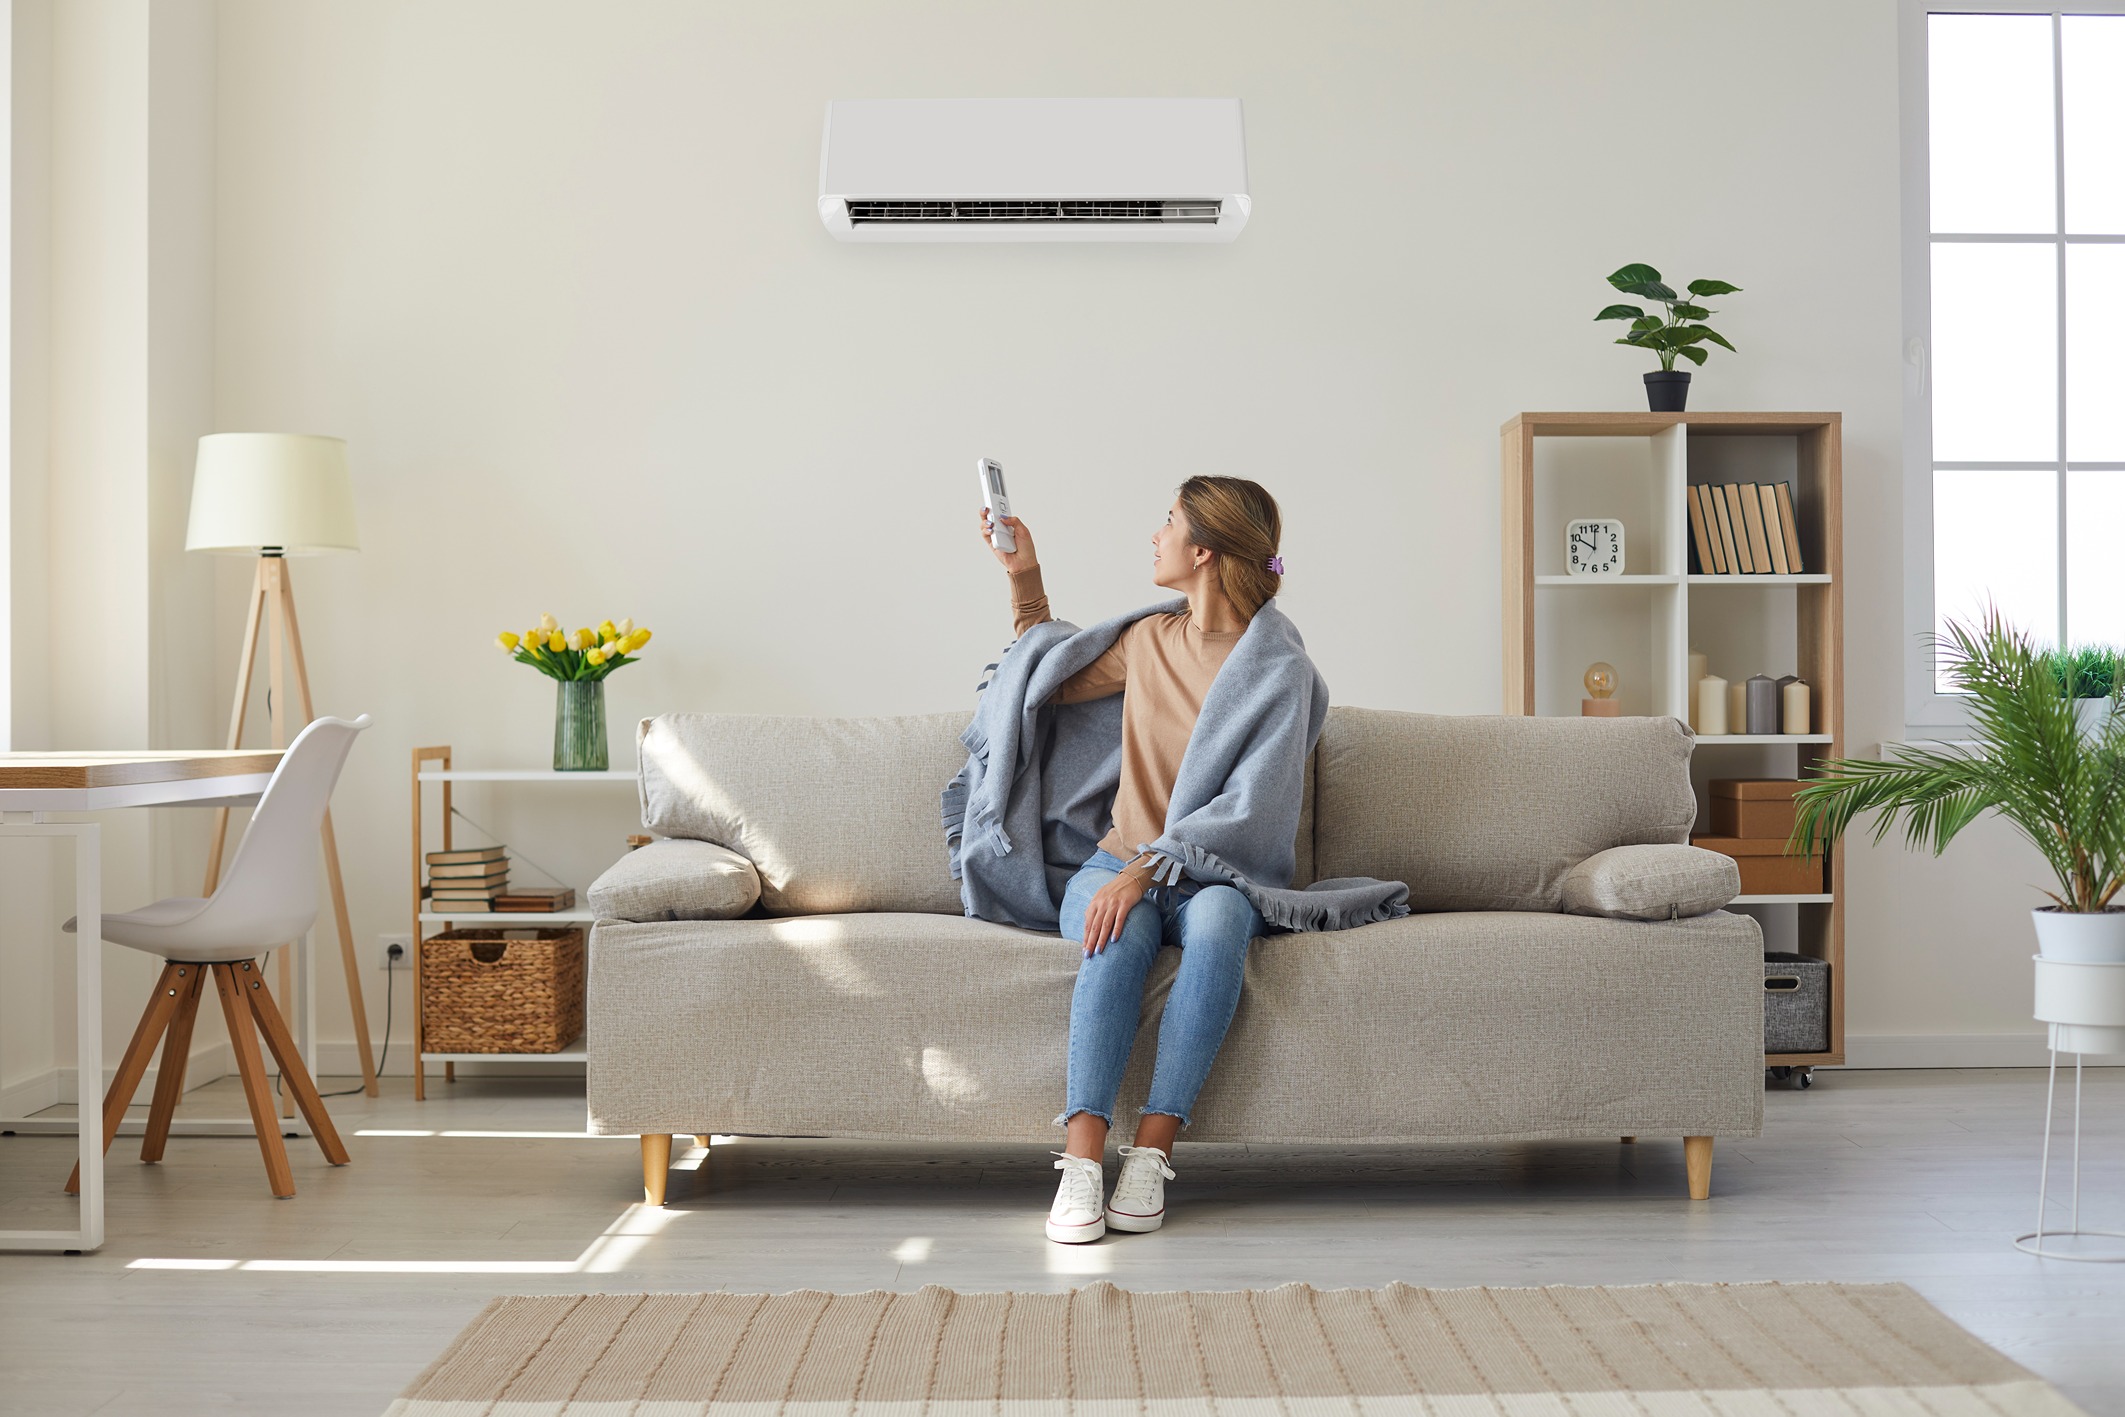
2028	760
1678	333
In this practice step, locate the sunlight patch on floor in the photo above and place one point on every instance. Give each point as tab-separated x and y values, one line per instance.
614	1250
1080	1259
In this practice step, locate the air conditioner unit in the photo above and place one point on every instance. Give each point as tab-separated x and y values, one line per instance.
1034	169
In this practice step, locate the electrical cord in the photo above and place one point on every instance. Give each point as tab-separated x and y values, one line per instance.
390	977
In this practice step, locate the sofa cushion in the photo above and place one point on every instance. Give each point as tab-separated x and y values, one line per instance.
1650	883
1437	1027
1489	813
676	879
836	814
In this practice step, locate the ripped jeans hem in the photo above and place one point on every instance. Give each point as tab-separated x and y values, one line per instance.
1062	1118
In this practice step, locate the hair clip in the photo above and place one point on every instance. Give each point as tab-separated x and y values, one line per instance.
1276	564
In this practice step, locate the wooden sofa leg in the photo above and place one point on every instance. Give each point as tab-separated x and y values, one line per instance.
1628	1140
1697	1160
656	1165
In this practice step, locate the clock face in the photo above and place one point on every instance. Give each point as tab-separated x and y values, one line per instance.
1593	547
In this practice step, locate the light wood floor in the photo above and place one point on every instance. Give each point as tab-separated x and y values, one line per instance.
212	1297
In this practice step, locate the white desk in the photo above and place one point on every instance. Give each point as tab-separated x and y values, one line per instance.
35	786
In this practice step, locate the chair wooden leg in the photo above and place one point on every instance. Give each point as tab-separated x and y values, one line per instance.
134	1065
243	1039
1628	1140
176	1054
1697	1161
293	1075
656	1166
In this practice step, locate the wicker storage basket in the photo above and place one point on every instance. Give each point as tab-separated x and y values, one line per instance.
502	991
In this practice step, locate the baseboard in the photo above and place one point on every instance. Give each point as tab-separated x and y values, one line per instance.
207	1064
31	1095
344	1060
1955	1050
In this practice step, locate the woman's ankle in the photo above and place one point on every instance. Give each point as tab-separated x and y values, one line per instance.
1085	1136
1158	1131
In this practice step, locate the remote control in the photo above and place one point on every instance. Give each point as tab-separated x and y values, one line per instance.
999	504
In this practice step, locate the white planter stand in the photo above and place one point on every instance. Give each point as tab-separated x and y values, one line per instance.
2085	1006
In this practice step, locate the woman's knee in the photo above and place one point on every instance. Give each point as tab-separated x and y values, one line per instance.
1221	913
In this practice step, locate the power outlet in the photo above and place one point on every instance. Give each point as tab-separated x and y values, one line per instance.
394	951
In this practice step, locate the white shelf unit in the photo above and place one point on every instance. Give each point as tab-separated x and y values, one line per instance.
1634	467
445	777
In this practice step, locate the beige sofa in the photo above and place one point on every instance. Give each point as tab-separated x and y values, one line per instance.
851	997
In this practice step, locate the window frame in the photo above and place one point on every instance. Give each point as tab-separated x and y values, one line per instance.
1927	712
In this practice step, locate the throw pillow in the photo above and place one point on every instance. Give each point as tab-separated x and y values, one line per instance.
1652	882
676	879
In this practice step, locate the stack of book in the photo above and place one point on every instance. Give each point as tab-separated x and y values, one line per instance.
1743	529
467	882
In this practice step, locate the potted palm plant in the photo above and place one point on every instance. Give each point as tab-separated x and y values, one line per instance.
2028	761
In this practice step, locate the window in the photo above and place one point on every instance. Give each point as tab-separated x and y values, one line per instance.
2015	221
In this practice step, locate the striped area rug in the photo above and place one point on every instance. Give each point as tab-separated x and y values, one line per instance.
1706	1350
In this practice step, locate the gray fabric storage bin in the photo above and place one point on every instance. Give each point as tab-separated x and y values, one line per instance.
1796	1003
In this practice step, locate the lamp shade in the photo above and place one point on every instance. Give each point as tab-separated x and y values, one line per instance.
288	492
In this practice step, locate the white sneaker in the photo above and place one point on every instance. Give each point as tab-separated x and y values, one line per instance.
1079	1213
1139	1203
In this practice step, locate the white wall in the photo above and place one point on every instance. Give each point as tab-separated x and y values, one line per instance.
112	225
555	271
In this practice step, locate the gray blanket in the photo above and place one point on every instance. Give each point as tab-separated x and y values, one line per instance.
1037	792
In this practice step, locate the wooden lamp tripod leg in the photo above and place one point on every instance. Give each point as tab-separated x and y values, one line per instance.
341	924
236	716
276	579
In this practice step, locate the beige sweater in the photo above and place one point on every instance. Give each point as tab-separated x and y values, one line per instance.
1166	665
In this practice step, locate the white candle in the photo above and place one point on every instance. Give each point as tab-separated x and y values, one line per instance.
1738	707
1711	705
1798	711
1700	666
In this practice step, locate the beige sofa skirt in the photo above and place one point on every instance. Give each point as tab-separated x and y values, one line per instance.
1455	1027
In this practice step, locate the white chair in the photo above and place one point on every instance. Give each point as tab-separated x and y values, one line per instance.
267	899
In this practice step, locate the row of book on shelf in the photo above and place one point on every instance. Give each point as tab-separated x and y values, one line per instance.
1743	529
475	881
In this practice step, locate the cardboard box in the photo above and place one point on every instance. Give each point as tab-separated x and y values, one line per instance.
1753	807
1765	867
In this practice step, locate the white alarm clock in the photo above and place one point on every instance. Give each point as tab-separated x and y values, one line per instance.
1593	546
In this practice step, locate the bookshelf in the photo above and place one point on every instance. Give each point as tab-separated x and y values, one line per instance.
432	767
1636	467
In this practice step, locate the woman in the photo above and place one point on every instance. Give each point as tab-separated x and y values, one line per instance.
1218	547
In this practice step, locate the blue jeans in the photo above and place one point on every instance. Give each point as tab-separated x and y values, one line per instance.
1212	927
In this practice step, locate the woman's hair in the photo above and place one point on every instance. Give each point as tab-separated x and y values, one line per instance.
1239	521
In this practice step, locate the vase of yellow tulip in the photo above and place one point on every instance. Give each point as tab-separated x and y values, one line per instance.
579	663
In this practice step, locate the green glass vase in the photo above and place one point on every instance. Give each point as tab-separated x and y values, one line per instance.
579	726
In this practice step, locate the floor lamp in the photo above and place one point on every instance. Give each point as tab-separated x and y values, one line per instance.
272	496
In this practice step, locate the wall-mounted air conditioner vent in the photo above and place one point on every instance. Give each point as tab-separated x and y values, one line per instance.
1103	169
861	211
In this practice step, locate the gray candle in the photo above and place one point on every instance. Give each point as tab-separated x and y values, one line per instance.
1761	705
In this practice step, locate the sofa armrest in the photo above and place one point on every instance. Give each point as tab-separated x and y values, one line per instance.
675	878
1650	883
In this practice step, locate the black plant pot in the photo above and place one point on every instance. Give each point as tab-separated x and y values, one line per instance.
1667	390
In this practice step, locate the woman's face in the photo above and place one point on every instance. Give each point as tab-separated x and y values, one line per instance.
1173	555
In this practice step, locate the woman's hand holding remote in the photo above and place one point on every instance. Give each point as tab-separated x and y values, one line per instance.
1023	558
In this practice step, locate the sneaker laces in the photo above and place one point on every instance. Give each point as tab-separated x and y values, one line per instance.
1081	1183
1135	1180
